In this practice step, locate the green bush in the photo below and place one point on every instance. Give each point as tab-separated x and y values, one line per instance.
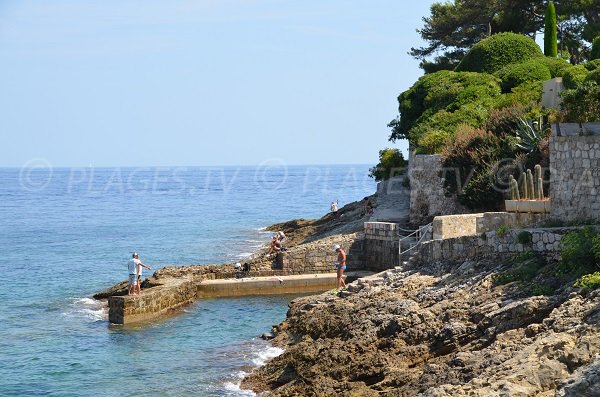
528	94
497	51
501	231
514	75
556	66
592	65
594	76
433	141
473	154
595	54
574	76
391	163
444	91
581	105
504	120
588	282
524	237
577	255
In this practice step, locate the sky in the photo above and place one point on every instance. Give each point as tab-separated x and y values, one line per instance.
202	82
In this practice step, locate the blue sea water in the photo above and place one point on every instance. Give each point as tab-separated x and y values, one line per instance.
66	233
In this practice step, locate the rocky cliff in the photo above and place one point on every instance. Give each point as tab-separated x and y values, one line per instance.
438	330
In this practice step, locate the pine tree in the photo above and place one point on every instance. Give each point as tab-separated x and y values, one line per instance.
550	34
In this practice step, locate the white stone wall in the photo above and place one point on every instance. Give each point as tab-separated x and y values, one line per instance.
575	177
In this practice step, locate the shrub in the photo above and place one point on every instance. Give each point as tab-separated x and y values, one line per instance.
524	237
445	91
433	141
595	54
594	76
577	255
528	94
497	51
501	231
556	66
505	120
391	163
574	76
514	75
588	282
581	105
473	154
592	65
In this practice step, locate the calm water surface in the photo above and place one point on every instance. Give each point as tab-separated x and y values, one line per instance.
67	233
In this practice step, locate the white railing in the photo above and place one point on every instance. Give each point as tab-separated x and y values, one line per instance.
418	234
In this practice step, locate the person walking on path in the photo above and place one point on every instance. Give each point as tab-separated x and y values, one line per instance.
341	266
139	273
334	209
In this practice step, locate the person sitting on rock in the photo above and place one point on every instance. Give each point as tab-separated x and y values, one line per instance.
275	245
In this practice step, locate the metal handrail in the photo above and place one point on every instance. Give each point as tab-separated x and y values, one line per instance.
419	236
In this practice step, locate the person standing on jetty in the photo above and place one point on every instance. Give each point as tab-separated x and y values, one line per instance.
135	271
341	265
140	265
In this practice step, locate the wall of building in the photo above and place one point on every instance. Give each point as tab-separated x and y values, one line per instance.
575	177
428	198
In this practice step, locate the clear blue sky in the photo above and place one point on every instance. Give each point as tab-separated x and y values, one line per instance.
202	82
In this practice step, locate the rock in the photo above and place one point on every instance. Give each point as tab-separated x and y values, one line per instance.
119	289
268	336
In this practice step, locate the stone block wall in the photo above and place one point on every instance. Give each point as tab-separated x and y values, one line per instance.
428	197
381	245
450	226
575	177
318	257
458	249
152	303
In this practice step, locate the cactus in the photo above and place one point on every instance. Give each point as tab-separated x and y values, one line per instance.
514	188
524	185
540	189
538	171
530	187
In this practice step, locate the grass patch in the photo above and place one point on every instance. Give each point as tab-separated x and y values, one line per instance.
501	231
588	282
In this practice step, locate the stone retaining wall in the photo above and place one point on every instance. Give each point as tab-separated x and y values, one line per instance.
451	226
575	177
464	248
381	246
428	198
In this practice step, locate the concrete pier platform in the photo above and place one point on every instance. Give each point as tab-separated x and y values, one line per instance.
176	292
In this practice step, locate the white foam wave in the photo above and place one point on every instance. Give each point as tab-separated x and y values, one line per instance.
88	308
265	355
234	387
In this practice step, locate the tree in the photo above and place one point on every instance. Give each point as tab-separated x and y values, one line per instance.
550	34
455	26
595	54
391	163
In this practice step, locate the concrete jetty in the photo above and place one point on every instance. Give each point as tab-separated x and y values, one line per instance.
176	292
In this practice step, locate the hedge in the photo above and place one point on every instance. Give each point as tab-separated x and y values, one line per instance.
497	51
574	76
514	75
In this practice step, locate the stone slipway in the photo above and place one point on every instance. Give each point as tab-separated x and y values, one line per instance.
173	293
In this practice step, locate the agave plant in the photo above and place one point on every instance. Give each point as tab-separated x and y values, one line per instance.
530	135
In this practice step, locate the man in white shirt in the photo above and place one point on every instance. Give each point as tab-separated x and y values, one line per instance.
135	271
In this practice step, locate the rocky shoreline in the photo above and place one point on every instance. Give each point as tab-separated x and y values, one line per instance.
438	330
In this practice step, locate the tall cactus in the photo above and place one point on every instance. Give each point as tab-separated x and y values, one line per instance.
514	188
530	187
524	185
539	193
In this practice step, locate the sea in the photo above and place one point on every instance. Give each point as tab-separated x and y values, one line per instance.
66	233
